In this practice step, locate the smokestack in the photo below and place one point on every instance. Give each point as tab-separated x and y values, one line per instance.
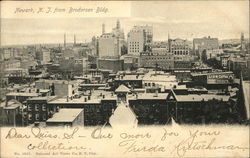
64	40
103	28
118	25
74	39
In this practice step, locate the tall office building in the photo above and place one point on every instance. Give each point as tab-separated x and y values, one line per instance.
140	39
110	44
179	48
206	43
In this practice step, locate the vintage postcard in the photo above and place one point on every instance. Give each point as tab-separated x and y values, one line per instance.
124	79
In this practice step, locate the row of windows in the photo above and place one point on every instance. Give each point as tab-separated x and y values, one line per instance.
133	42
37	117
134	46
134	51
163	58
176	47
178	58
160	64
44	108
180	53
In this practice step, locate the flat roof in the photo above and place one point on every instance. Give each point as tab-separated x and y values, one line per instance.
160	77
65	115
149	96
22	94
43	98
210	73
13	106
202	97
130	77
74	101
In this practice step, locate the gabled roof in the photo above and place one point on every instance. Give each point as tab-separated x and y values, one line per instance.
171	96
122	89
123	116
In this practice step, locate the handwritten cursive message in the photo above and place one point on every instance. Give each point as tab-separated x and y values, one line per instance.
85	142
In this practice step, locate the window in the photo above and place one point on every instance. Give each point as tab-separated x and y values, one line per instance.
37	107
29	108
44	107
30	116
37	117
44	117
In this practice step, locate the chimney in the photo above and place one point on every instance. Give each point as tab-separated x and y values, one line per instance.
67	98
85	99
103	28
156	93
89	97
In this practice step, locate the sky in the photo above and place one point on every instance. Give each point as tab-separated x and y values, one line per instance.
180	19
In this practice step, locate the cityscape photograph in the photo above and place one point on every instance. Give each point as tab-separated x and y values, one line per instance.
161	65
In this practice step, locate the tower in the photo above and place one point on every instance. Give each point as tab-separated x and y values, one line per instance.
169	43
103	28
64	41
118	25
242	41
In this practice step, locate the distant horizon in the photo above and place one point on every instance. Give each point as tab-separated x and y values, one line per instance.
248	39
185	20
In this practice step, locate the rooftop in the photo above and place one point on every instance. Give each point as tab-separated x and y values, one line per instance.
75	101
22	94
122	89
130	77
202	97
149	96
211	73
43	98
14	106
65	115
160	77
